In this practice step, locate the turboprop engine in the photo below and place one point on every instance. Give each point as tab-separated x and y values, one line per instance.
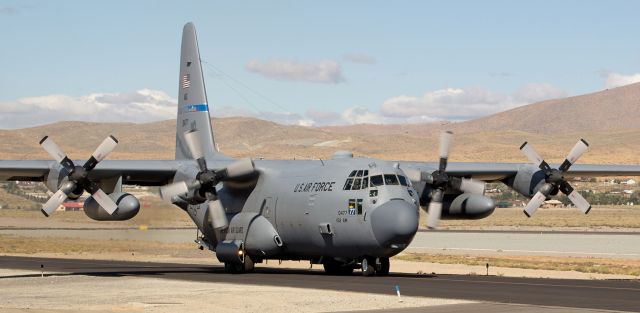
128	207
438	183
542	181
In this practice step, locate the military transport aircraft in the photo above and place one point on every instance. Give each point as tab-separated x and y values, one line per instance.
344	213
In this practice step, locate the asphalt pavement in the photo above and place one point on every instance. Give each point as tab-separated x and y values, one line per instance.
621	295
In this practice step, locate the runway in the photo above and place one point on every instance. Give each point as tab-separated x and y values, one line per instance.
622	295
548	243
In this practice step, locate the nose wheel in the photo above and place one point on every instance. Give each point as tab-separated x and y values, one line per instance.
374	266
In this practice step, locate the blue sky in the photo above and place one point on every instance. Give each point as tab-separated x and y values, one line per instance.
310	63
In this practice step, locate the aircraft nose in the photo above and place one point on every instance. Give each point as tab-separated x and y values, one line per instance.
395	223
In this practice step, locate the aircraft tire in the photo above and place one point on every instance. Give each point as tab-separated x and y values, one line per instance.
235	268
368	267
383	267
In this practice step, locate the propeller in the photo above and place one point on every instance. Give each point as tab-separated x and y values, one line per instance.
78	176
440	182
554	178
206	180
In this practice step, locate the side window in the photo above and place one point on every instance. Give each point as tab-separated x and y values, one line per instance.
347	184
390	179
365	183
376	181
403	180
356	184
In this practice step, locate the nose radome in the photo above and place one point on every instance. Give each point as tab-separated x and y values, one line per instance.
394	222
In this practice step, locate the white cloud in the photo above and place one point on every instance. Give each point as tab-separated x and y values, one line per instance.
148	105
278	117
616	80
464	103
8	10
359	58
324	71
140	106
532	93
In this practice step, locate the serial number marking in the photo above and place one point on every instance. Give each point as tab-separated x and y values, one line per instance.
314	187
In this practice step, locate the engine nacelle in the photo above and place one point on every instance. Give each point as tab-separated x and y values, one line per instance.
258	234
128	207
527	181
56	177
466	206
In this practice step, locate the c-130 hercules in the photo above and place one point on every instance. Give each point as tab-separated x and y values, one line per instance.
344	213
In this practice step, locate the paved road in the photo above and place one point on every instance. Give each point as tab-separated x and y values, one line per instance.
585	244
589	244
621	295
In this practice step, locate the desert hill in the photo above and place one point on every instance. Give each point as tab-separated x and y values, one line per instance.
609	120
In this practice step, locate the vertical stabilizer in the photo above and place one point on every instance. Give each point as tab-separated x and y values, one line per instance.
193	108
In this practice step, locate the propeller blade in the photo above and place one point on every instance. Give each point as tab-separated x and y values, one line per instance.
578	150
445	146
54	151
575	197
533	156
472	186
435	211
105	201
175	189
217	215
535	202
240	168
192	138
107	145
579	201
54	202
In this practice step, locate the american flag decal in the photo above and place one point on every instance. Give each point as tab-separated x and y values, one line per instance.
186	81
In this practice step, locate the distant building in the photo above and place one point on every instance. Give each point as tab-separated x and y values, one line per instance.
71	206
629	182
553	203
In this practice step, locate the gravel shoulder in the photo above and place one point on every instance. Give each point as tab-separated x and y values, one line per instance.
61	294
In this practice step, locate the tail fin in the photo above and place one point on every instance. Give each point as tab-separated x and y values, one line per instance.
193	108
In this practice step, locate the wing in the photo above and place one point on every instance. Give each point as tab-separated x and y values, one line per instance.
138	172
501	171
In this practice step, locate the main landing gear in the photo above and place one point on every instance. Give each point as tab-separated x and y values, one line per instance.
246	266
374	266
370	266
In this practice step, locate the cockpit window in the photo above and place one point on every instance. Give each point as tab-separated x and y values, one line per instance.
390	179
403	180
376	181
365	182
366	173
356	184
347	185
359	173
353	173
